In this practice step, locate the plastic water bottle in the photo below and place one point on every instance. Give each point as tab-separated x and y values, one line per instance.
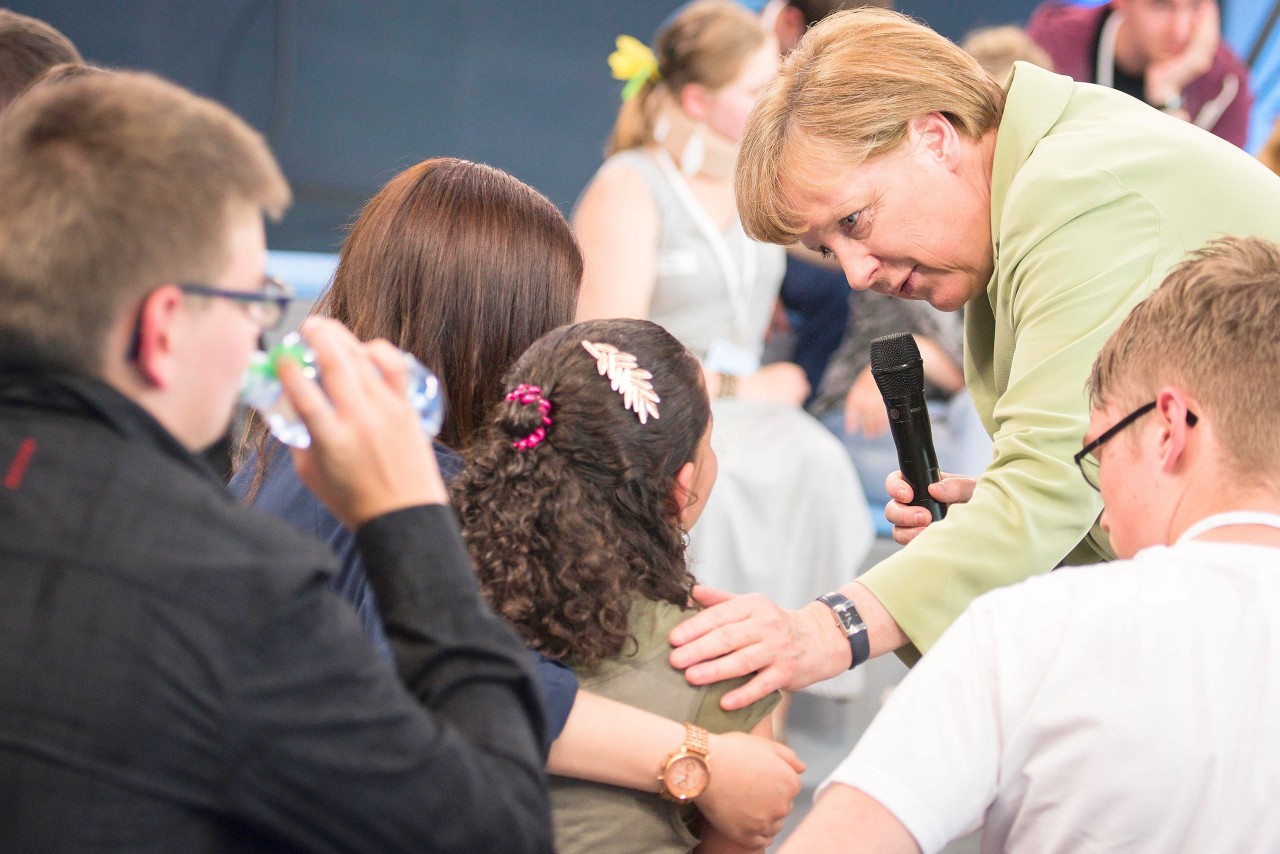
261	390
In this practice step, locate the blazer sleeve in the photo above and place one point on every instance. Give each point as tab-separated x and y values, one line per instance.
335	753
1069	270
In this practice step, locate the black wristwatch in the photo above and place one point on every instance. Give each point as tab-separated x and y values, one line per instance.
852	624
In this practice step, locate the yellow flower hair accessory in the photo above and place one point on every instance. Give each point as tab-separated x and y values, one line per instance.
634	63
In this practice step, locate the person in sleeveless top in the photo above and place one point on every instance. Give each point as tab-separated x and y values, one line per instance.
662	241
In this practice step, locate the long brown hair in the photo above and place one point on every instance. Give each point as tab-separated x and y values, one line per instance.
566	534
462	265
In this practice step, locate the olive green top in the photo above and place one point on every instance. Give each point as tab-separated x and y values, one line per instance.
593	817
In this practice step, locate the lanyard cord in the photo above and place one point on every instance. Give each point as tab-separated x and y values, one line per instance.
738	282
1223	520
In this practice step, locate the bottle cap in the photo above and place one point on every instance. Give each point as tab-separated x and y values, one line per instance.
295	348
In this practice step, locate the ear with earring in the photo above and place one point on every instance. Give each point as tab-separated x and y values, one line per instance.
684	498
682	116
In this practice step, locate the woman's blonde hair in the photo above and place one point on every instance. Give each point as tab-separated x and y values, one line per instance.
845	95
707	44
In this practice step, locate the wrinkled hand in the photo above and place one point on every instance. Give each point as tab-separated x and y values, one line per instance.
1166	78
909	521
784	382
368	454
864	410
740	635
754	782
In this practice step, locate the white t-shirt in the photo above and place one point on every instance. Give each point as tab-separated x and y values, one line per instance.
1131	706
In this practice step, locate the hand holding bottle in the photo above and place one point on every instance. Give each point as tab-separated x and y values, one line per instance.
261	390
369	454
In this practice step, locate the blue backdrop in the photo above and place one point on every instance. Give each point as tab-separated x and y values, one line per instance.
1242	26
350	93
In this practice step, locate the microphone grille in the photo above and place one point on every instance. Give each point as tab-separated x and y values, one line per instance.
896	365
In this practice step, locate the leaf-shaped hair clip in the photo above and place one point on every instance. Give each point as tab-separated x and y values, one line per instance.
626	378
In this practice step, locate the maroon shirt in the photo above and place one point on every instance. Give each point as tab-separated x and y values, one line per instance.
1219	101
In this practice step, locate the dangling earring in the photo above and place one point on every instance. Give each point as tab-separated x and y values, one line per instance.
661	129
684	536
694	153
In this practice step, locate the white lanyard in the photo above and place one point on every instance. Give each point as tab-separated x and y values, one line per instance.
738	282
1223	520
1105	73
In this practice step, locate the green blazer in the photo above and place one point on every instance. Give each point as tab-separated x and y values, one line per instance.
1094	198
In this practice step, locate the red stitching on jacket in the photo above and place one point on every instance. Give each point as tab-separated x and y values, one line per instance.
18	468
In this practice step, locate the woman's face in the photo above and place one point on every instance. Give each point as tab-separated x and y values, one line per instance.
913	223
725	110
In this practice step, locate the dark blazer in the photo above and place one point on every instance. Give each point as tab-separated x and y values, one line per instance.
176	673
282	494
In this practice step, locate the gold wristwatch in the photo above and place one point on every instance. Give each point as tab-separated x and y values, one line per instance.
685	774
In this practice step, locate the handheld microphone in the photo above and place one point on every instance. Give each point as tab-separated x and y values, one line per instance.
898	371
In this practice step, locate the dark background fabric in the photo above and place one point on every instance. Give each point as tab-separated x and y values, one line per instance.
179	676
349	94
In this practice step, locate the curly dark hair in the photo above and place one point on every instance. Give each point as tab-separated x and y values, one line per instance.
567	534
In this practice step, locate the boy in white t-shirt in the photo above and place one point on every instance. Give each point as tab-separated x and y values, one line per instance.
1127	706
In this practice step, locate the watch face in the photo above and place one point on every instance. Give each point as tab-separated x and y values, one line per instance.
686	777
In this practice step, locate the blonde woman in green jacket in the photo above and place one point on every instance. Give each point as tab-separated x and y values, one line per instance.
1046	210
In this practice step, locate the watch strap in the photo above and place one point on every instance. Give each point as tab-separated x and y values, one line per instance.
728	385
852	624
696	740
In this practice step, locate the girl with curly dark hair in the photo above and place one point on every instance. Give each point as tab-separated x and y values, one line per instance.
465	266
574	507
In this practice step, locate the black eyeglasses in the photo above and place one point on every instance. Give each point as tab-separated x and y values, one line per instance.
266	307
1088	463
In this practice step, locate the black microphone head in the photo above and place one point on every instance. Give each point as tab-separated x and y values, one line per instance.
896	365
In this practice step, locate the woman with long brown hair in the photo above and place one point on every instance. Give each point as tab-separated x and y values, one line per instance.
460	264
464	266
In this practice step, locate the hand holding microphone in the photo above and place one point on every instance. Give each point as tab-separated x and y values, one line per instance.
908	520
899	373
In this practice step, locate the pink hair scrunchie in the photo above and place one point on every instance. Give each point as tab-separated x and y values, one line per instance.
528	395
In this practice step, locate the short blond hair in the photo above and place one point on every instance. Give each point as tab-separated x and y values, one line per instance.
1209	328
112	185
845	95
998	48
